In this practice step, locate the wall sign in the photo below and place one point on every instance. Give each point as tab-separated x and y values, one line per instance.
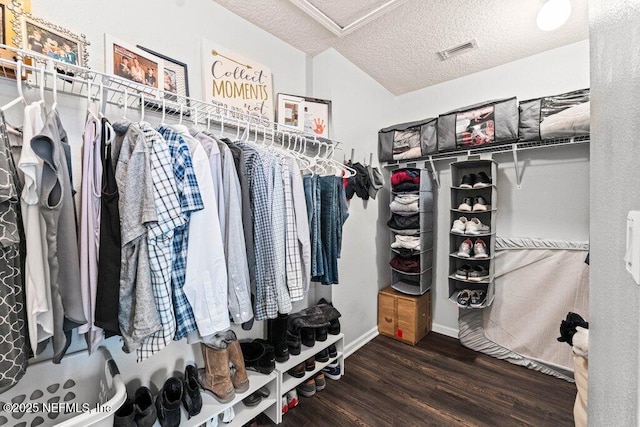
241	84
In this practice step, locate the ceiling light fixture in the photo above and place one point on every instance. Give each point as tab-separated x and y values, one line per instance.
553	14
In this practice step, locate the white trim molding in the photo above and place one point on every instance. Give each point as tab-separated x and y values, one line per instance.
360	341
331	25
445	330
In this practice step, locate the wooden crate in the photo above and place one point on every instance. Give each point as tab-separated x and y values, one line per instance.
406	318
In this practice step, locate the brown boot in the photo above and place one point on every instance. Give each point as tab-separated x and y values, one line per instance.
239	378
215	377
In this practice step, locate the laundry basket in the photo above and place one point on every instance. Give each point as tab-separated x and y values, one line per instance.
81	391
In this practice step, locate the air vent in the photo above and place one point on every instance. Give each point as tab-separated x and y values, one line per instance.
458	50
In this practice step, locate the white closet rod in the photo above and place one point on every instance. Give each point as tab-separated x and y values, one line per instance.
75	80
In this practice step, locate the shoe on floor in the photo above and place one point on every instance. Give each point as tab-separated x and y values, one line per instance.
463	272
464	250
478	273
480	249
475	227
459	225
307	388
466	205
468	181
332	371
321	383
480	204
482	180
464	298
478	298
292	398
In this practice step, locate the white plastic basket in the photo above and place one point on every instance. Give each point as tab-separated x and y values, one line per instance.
79	392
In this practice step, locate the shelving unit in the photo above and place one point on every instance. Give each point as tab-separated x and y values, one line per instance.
488	217
418	283
211	408
287	382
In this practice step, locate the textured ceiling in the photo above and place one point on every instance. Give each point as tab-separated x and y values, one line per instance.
399	49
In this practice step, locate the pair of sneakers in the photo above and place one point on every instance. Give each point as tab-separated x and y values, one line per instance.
479	180
479	249
471	227
312	385
475	204
289	401
477	273
471	298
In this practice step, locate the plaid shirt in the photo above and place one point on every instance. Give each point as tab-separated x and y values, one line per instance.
292	261
190	201
160	236
278	224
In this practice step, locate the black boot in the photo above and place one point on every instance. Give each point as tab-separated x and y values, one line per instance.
259	356
125	415
191	398
168	403
321	333
146	416
334	326
277	336
308	336
294	340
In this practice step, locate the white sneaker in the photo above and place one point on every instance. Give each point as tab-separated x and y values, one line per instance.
459	225
465	249
475	227
480	249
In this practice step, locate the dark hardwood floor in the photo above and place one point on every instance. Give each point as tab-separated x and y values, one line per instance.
436	383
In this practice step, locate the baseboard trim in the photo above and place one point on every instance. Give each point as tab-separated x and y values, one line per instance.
445	330
360	341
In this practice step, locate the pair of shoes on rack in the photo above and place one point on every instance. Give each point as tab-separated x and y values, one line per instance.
256	397
259	356
479	180
479	249
217	377
175	392
475	204
289	401
139	411
332	371
312	385
477	273
471	298
471	227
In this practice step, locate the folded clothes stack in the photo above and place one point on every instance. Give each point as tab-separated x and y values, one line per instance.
405	180
406	242
405	223
406	265
405	204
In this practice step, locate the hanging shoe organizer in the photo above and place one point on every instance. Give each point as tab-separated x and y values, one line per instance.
471	247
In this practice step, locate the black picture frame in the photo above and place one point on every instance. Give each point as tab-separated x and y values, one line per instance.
173	66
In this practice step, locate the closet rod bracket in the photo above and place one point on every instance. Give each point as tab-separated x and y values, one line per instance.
434	173
514	150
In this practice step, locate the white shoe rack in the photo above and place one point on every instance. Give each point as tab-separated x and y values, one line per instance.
211	408
488	217
286	382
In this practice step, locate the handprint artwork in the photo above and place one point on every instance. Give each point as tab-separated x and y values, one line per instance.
319	126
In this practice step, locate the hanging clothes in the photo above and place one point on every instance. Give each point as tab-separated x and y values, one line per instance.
190	201
36	273
160	240
301	222
89	242
13	327
205	276
137	316
109	253
58	212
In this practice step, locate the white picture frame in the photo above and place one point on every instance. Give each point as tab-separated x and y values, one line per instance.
135	68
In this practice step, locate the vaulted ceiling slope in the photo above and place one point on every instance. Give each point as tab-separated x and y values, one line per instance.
399	49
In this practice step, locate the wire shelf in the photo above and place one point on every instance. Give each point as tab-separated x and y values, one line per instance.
48	74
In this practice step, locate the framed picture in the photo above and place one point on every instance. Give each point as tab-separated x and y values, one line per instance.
51	40
317	116
10	30
175	81
290	111
133	65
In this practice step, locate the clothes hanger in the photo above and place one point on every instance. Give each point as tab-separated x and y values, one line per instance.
142	107
55	89
20	99
164	112
126	102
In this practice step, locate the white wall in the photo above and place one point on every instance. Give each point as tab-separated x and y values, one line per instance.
614	297
554	199
360	105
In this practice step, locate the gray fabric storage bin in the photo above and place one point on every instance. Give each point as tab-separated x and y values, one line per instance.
491	122
559	116
417	139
